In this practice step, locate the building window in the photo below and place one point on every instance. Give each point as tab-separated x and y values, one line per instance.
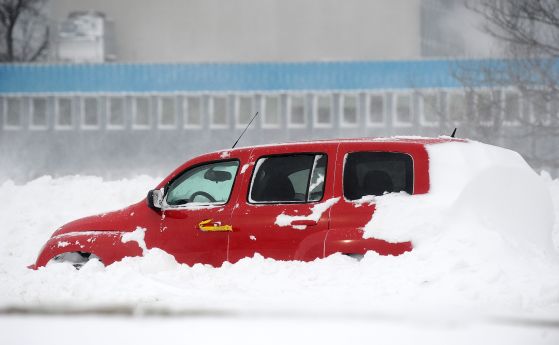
349	110
272	111
323	113
297	111
512	107
403	109
244	111
540	109
193	112
64	114
115	113
13	118
430	109
141	118
90	113
39	115
167	113
376	110
487	106
218	112
456	107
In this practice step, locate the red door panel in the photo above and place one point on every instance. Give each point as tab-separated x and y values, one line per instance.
198	232
283	231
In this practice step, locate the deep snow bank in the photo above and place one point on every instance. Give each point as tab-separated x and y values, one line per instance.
460	260
473	187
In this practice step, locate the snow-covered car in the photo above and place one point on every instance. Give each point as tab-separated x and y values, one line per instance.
295	201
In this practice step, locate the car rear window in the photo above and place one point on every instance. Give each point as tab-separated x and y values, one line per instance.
291	179
377	173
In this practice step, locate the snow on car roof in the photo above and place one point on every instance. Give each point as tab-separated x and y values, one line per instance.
394	139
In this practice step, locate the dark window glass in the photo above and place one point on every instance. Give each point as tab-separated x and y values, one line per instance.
39	115
296	178
377	173
376	109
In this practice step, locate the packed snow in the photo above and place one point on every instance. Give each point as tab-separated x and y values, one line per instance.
483	250
316	212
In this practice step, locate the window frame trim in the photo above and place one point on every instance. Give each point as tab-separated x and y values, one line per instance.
249	199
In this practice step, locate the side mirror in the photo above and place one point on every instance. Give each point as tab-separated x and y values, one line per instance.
155	199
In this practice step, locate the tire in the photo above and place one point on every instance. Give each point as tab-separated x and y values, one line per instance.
77	259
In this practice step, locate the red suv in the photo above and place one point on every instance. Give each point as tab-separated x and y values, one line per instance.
296	201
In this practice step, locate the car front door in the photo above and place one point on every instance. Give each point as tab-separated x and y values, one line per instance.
283	211
196	212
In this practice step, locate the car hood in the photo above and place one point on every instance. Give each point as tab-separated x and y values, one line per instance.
119	220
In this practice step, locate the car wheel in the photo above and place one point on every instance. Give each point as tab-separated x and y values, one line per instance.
77	259
357	257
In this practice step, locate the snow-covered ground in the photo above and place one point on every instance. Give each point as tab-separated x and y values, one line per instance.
462	285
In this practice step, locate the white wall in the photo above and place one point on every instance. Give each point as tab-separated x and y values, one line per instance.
258	30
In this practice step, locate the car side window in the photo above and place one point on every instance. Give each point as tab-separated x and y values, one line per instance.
208	184
377	173
294	178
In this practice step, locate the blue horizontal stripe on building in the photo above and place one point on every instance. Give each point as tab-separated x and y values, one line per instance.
239	77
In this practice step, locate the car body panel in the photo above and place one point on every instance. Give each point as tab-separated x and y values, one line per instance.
255	223
254	226
180	231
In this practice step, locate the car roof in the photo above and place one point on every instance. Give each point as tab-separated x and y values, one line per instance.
396	139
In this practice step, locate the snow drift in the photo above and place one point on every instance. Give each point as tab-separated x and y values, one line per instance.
482	241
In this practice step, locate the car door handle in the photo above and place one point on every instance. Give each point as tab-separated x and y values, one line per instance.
209	225
306	222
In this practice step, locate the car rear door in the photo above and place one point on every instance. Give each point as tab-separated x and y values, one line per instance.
283	209
365	171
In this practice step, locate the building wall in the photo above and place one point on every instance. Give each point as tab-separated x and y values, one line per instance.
117	120
257	30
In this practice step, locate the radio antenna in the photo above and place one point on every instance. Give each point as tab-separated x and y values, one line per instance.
453	133
240	136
